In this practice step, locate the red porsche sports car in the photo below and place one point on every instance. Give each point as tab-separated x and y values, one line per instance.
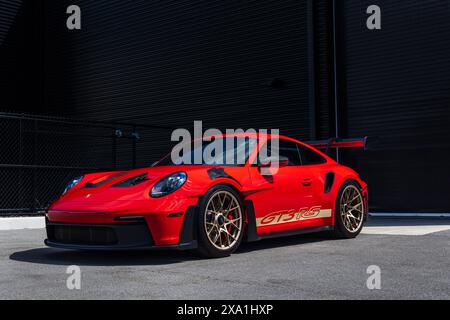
213	207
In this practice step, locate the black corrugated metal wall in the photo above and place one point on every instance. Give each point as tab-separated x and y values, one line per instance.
9	46
228	63
21	56
239	64
397	88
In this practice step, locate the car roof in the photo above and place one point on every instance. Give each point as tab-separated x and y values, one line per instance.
269	136
253	135
248	135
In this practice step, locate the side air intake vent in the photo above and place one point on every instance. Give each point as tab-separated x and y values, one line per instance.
329	179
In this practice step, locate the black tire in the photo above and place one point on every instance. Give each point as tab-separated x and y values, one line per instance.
205	246
340	229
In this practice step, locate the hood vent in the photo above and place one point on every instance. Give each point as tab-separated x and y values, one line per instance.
132	181
99	183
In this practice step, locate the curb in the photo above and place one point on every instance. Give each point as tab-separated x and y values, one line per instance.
409	215
18	223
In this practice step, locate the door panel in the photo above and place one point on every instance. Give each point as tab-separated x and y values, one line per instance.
291	197
280	197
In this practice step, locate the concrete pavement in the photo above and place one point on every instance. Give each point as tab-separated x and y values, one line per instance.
413	266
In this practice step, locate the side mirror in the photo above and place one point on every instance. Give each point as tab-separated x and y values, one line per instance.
274	162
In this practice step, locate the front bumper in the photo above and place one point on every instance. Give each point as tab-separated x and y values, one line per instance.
116	236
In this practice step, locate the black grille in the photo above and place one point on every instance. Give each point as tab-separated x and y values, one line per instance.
76	234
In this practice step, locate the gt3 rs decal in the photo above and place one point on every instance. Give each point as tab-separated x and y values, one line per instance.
293	215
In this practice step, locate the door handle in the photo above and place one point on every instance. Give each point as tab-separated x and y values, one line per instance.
307	182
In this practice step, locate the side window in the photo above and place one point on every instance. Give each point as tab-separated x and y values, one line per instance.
310	157
287	150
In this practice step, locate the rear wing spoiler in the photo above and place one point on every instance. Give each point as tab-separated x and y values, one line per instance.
334	143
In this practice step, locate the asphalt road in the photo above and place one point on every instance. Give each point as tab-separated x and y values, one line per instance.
302	267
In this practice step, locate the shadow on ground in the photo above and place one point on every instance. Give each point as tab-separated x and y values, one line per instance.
283	242
52	256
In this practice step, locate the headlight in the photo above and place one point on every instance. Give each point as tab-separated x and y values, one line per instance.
73	183
168	184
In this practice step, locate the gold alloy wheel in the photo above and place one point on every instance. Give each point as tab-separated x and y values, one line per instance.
223	220
352	208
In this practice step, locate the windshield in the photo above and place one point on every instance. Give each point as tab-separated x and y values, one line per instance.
229	151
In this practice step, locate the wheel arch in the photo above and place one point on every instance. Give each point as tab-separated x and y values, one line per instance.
338	191
231	186
225	182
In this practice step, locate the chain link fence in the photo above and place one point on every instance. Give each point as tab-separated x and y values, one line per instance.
40	155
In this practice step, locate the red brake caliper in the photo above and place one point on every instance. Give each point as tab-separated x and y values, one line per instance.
230	217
